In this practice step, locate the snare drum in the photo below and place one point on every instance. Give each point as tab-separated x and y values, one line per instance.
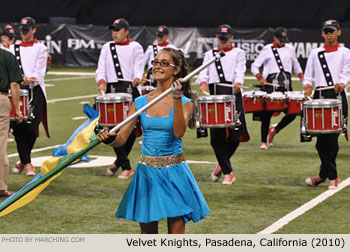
113	108
294	102
216	111
275	101
253	101
323	116
23	104
146	89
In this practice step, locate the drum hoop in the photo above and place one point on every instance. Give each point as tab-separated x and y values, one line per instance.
216	98
118	97
323	103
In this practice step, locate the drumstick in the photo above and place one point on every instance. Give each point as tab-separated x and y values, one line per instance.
128	80
228	85
309	98
270	84
103	93
331	87
206	93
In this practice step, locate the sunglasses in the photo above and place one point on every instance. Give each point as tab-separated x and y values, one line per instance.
162	63
326	31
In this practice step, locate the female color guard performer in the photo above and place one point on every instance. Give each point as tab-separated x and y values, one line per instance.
329	65
278	59
163	185
230	70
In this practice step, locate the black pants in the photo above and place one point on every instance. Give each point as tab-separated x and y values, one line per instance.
225	141
123	152
327	148
26	133
327	144
265	123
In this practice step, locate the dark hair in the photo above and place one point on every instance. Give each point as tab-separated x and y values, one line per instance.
180	61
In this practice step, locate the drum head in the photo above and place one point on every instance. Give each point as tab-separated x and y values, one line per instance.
259	94
249	94
114	97
276	95
322	103
216	98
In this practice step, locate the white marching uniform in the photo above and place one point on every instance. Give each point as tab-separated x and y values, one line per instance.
130	58
149	54
233	64
338	63
335	67
267	59
33	60
231	67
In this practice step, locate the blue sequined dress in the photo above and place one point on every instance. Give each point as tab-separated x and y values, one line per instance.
161	192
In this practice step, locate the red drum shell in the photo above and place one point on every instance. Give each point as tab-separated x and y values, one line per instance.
323	116
253	101
23	104
275	101
216	111
113	108
294	102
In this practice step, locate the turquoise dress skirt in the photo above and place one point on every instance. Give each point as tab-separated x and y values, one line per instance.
155	193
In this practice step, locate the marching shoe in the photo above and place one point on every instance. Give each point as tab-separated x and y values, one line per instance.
333	184
126	174
216	174
112	169
272	133
5	194
264	146
314	181
19	167
229	179
29	170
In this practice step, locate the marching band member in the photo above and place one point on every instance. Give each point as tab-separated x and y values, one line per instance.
7	37
152	50
230	69
31	57
330	66
121	58
278	59
163	185
10	77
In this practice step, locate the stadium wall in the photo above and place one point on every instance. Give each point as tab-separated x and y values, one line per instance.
79	45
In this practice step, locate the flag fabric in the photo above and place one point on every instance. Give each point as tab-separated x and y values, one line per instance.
82	140
72	145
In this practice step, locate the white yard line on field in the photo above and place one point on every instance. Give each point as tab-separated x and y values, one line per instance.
69	78
72	98
36	150
304	208
79	118
72	73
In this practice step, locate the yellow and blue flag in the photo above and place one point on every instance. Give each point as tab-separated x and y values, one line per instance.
82	140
